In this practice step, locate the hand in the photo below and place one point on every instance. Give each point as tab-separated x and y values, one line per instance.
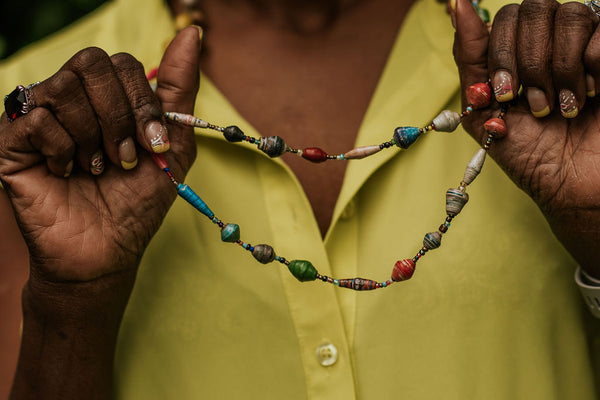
552	150
99	220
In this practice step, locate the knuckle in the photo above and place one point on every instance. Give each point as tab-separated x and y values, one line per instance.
61	82
91	57
126	61
507	12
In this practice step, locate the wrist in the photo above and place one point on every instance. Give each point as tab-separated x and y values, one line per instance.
69	337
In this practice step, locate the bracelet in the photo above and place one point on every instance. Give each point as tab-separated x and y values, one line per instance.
590	290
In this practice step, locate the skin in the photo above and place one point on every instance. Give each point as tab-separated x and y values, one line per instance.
68	354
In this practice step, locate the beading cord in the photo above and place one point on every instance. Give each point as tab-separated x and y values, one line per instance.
478	96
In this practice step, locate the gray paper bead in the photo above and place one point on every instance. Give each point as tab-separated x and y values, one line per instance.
432	240
263	253
474	166
455	201
446	121
273	146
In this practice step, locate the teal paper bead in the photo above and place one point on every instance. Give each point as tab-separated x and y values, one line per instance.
404	136
303	270
230	233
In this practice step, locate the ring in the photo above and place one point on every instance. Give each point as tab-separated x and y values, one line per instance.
594	5
19	102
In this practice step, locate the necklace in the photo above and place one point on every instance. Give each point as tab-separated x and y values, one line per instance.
479	96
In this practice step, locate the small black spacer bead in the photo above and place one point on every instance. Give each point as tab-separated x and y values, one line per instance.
443	228
449	218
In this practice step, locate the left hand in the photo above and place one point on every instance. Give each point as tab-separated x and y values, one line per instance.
551	50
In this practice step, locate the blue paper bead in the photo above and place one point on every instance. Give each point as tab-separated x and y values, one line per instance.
191	197
404	136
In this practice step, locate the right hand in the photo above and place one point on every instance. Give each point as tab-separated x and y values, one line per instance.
95	223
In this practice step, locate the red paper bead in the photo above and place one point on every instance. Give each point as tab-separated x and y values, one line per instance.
479	95
403	270
314	154
160	160
495	127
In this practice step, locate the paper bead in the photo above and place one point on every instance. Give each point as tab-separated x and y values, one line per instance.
361	152
403	270
263	253
432	240
474	166
191	197
233	134
479	95
446	121
404	136
303	270
230	233
495	127
455	201
358	284
273	146
314	154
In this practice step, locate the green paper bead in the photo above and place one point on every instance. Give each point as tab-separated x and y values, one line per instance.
303	270
230	233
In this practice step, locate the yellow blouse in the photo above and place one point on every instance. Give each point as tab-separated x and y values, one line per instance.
492	314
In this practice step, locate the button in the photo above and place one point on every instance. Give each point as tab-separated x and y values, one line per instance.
327	354
349	210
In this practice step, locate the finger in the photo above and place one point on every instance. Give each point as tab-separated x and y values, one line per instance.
502	61
573	27
591	61
28	141
107	97
64	95
534	54
177	84
151	132
470	45
470	53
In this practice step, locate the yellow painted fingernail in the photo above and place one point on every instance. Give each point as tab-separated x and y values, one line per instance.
127	153
538	103
568	103
590	86
542	113
156	134
503	89
68	169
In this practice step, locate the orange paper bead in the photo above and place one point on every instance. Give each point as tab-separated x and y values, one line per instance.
479	95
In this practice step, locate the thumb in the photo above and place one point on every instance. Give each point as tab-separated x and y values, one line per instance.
470	45
178	80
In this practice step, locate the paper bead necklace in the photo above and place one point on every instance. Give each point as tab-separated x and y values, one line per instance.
478	96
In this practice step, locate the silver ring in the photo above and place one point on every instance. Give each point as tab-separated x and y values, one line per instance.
19	102
594	5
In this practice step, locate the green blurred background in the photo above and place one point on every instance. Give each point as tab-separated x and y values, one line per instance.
25	21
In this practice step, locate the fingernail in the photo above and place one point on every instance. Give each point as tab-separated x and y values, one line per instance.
568	103
452	12
156	134
503	86
200	32
538	103
590	86
68	169
127	153
97	163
